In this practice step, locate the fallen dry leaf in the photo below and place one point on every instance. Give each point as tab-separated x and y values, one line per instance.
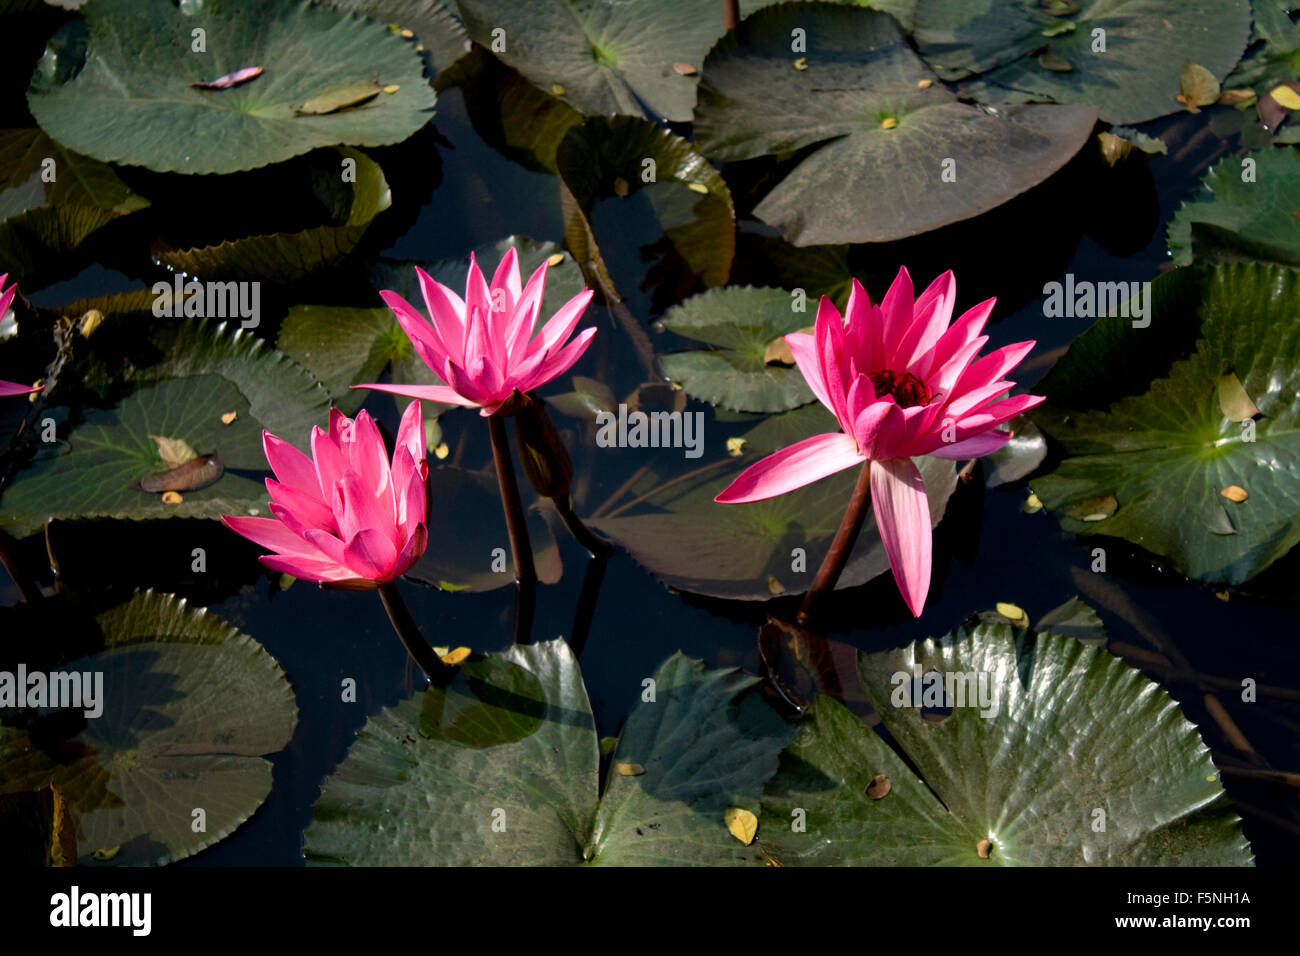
983	848
742	824
879	786
172	498
1234	493
229	417
629	769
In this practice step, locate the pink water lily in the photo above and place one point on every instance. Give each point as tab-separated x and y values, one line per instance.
901	381
483	346
345	516
8	389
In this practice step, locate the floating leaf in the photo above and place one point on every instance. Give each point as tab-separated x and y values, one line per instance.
606	58
1029	802
173	451
41	220
191	709
1233	400
115	85
1199	86
1286	96
699	228
196	369
1234	493
629	769
1073	619
691	542
339	98
502	768
1147	44
1166	453
740	323
868	184
741	823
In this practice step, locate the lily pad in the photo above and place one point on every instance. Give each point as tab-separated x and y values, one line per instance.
642	171
901	10
1041	781
466	513
40	219
602	57
502	768
285	257
432	25
902	154
1233	219
1147	43
199	373
691	542
116	84
1167	453
739	322
191	708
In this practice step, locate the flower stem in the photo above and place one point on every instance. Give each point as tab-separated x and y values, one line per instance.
408	632
838	556
516	525
730	13
598	547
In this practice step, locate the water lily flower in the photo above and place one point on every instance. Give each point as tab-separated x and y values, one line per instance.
345	516
8	389
902	381
483	346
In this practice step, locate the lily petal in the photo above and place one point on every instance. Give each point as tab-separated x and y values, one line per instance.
903	517
793	467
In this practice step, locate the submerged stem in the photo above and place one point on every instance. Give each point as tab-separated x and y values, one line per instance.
516	524
408	632
838	556
598	547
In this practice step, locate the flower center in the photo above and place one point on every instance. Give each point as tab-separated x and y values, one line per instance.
907	389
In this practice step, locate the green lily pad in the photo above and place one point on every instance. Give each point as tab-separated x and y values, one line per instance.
199	372
502	768
902	155
1231	218
1049	778
116	85
901	10
191	708
434	27
285	257
466	510
642	171
40	220
739	322
603	57
1136	78
1166	454
692	543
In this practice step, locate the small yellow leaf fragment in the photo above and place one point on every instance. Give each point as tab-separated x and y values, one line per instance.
391	88
1236	97
106	852
774	586
778	352
700	188
879	786
734	446
1013	613
406	34
1113	148
685	69
984	848
629	769
455	656
441	451
174	451
1222	596
1033	504
172	498
924	84
89	322
608	745
770	860
1199	87
742	824
801	63
555	260
889	122
620	187
36	384
1234	493
229	417
557	89
1286	96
